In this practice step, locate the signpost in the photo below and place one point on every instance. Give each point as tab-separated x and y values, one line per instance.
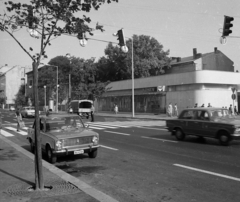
233	97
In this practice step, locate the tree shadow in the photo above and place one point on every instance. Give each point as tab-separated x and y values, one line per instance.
19	178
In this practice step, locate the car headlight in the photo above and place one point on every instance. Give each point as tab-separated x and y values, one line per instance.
59	145
95	140
237	130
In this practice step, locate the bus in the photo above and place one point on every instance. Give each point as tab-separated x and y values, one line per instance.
81	107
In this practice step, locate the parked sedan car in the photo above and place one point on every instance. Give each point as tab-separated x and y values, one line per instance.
206	122
64	134
12	108
28	112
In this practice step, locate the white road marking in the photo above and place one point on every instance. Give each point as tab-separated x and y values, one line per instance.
15	130
104	124
208	172
5	133
7	122
160	139
116	132
109	148
91	127
98	125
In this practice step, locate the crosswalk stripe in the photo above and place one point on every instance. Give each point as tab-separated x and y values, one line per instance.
92	127
116	132
98	125
5	133
106	124
15	130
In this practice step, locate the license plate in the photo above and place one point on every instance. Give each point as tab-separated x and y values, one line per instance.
79	152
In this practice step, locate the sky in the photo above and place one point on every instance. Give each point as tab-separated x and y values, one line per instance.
178	25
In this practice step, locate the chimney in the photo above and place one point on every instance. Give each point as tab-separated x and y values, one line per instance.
194	53
215	50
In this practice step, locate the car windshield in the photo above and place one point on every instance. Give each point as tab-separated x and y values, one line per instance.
220	113
64	123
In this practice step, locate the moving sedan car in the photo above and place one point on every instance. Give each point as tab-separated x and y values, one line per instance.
28	112
206	122
64	134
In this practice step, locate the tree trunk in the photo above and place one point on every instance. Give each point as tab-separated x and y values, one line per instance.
38	150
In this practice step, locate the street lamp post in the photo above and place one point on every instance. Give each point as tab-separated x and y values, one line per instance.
45	97
133	105
57	91
57	85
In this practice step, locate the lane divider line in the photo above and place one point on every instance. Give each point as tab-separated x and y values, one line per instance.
208	172
108	147
146	127
116	132
159	139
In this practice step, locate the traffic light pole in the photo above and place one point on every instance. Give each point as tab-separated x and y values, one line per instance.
133	103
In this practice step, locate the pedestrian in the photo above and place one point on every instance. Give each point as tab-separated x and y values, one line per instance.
196	105
92	113
175	110
235	110
170	110
209	105
230	110
202	105
19	118
116	109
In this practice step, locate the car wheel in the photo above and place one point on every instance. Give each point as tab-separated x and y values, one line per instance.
32	147
179	134
93	153
50	156
224	138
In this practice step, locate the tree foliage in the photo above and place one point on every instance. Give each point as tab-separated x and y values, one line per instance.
20	99
83	74
149	59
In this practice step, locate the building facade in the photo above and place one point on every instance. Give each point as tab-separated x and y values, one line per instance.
11	78
200	78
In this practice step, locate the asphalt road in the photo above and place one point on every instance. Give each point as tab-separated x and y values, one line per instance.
140	161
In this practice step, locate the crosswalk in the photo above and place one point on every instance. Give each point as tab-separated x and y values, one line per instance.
10	131
124	124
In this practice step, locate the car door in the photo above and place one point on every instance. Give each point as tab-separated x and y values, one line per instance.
185	121
194	124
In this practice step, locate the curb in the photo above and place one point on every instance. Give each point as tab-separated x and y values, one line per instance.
98	195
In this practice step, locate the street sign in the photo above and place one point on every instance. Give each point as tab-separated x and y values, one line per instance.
233	96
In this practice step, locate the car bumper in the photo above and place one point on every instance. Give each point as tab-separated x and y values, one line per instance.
236	136
72	151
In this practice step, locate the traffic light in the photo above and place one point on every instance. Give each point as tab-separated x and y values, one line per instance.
227	25
121	38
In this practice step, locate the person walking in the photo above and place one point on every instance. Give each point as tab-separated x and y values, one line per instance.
202	105
116	109
19	118
175	110
196	105
170	110
230	110
92	113
209	105
235	110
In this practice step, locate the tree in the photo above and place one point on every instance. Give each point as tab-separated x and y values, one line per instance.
149	59
46	20
20	99
84	82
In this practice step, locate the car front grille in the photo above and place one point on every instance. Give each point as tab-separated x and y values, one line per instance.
77	141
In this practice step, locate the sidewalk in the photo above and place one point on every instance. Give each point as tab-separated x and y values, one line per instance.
17	174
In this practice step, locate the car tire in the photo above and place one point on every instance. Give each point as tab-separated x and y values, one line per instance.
93	153
224	138
50	156
179	134
32	146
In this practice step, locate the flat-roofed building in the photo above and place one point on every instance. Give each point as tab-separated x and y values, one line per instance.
200	78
